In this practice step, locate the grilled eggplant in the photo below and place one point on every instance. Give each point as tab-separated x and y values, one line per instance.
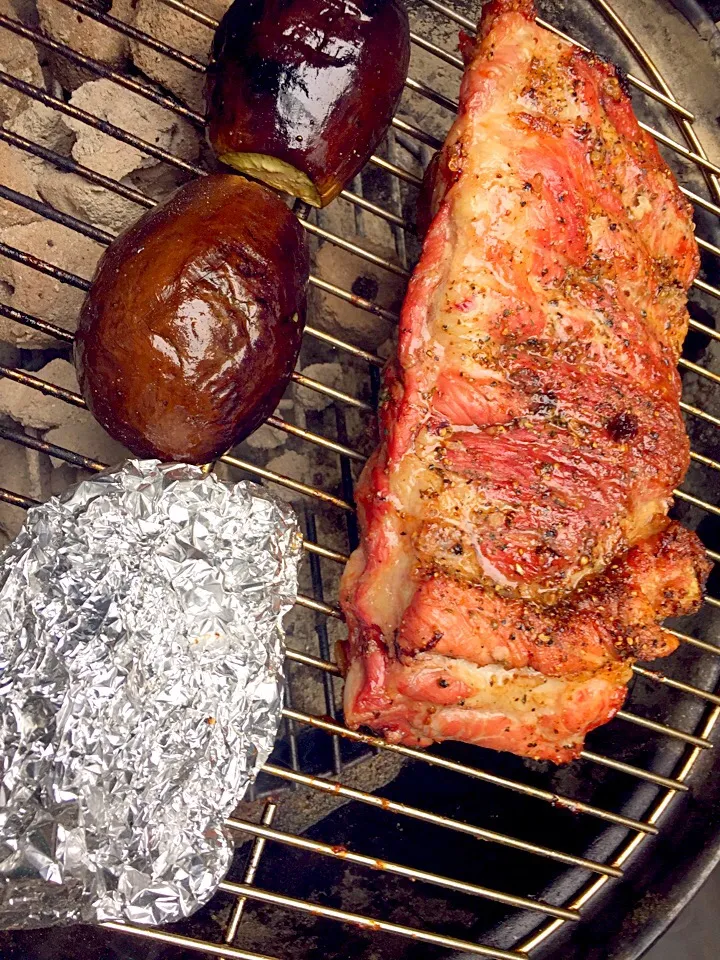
300	92
190	332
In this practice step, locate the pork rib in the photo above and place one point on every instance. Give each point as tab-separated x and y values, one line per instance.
516	555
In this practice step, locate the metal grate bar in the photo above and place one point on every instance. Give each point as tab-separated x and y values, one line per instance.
172	53
664	730
17	499
703	328
319	607
700	414
700	371
187	943
374	863
85	463
416	813
164	156
368	923
706	245
37	383
701	201
630	848
476	773
251	871
265	474
323	641
69	396
671	785
697	502
705	461
700	644
425	91
312	547
658	677
632	771
713	292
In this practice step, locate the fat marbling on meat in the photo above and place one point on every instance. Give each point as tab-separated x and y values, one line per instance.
516	556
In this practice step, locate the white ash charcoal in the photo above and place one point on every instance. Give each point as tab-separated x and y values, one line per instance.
299	467
73	194
59	422
85	36
64	476
361	430
133	113
266	438
18	57
343	219
181	33
329	374
35	293
159	181
287	409
372	283
46	127
26	472
9	354
11	520
17	174
387	348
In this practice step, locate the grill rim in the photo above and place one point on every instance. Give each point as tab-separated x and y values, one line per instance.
340	448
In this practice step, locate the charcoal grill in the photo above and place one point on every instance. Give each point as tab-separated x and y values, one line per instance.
334	860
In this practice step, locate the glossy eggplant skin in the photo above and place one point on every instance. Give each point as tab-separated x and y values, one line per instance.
192	326
312	84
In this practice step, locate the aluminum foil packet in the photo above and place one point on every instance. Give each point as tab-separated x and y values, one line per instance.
141	652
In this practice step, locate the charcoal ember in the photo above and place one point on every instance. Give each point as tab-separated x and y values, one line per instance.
135	114
19	58
17	174
45	126
26	472
181	33
370	282
266	438
55	420
40	295
329	374
314	470
86	36
90	202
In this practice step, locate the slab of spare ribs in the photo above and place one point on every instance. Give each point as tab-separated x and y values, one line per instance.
516	557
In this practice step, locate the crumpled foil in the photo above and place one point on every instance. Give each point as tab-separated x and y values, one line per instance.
141	651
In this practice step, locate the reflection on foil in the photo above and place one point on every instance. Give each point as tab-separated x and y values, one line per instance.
140	690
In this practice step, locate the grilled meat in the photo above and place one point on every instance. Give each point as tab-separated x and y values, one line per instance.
516	555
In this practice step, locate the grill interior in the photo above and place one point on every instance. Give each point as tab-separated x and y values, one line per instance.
349	846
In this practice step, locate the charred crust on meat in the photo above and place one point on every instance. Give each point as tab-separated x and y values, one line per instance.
623	426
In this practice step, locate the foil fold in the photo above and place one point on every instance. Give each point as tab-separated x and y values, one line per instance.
141	652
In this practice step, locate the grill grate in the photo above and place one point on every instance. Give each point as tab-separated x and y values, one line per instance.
348	747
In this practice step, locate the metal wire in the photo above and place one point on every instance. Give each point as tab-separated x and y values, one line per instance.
697	742
375	863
